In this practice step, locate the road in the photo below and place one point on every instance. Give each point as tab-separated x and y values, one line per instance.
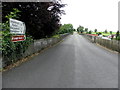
74	63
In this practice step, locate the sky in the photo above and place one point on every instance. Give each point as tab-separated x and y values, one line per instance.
92	14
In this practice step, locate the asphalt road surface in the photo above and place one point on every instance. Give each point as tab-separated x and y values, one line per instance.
74	63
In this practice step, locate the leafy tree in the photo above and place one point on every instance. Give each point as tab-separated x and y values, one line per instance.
110	32
42	19
105	31
95	30
80	29
117	35
90	32
86	30
74	30
66	28
99	33
11	50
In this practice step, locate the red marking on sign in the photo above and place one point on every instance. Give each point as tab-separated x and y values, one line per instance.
18	38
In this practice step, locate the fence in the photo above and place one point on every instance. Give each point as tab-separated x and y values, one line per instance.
36	46
111	44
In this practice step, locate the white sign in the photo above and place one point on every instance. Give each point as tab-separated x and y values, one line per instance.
17	27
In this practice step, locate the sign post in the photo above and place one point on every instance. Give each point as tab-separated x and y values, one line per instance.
18	29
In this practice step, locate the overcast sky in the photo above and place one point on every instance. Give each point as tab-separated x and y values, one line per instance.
92	14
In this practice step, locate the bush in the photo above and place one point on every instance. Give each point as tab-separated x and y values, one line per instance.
90	32
118	38
66	28
117	35
11	51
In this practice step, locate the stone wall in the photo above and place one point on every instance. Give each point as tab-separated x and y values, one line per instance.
111	44
36	46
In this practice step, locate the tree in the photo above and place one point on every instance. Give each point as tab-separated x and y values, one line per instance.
95	30
74	30
12	50
99	33
90	32
86	30
80	29
66	28
117	35
110	32
42	19
105	31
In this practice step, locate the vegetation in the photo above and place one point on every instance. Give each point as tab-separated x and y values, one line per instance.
83	30
80	29
11	50
86	29
90	32
41	18
110	32
66	28
117	35
95	30
105	31
56	36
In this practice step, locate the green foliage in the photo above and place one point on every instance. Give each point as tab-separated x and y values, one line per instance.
12	50
110	32
42	19
15	14
118	38
117	35
80	29
105	31
66	28
74	30
56	36
90	32
95	30
86	30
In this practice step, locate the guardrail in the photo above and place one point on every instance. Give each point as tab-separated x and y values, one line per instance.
111	44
